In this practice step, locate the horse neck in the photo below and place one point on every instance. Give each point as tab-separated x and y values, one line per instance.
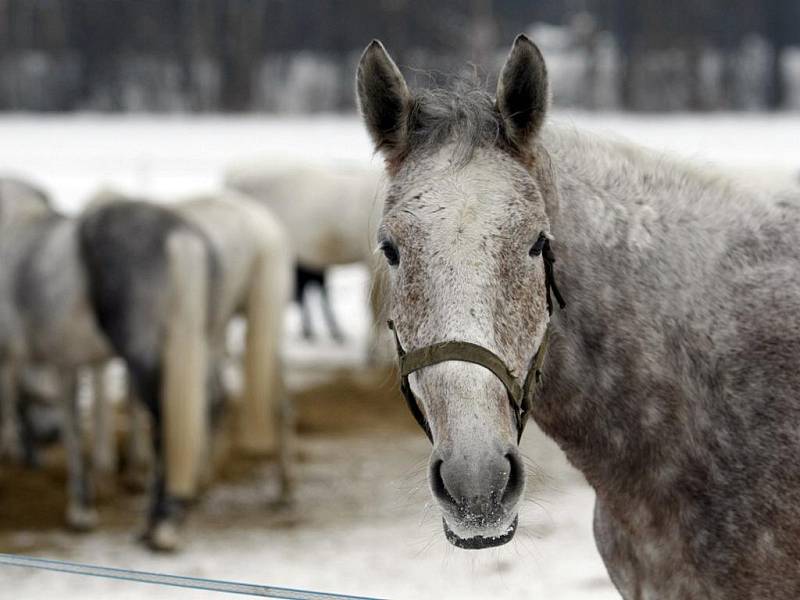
621	373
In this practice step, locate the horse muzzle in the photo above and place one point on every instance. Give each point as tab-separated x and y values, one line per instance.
478	492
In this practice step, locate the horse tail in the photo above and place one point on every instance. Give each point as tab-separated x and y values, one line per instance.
261	419
185	363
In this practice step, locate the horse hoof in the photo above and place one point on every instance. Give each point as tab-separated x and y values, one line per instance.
163	537
81	519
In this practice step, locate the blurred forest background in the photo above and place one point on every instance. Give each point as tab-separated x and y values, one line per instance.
298	56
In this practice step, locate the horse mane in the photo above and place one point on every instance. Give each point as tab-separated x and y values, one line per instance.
635	170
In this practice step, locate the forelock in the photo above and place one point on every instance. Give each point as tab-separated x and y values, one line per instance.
464	116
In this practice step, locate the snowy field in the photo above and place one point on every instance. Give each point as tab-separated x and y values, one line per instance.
175	156
362	522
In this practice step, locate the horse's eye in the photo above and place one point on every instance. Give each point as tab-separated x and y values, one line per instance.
536	249
390	252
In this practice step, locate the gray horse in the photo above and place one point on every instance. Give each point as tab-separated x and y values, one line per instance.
45	319
671	379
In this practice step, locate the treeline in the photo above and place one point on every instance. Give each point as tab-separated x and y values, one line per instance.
299	55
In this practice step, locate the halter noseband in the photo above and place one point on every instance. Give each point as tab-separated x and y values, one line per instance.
520	396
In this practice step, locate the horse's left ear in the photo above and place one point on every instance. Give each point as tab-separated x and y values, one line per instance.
522	92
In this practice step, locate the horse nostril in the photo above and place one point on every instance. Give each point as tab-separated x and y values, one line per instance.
516	479
438	486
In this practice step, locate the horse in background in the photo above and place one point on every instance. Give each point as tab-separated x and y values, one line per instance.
45	320
24	426
230	257
16	432
671	380
145	283
329	212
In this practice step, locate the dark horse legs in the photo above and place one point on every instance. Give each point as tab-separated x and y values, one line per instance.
330	318
166	513
305	277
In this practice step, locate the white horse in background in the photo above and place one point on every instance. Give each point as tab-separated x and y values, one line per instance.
331	213
327	210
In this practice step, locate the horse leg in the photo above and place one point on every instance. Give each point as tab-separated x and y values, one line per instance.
301	281
30	452
305	318
139	450
286	449
104	448
327	311
10	444
167	512
81	514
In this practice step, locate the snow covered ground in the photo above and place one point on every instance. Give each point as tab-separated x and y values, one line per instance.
362	521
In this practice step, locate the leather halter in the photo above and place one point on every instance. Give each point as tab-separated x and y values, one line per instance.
520	396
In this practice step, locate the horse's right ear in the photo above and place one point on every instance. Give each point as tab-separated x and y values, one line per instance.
522	92
383	98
